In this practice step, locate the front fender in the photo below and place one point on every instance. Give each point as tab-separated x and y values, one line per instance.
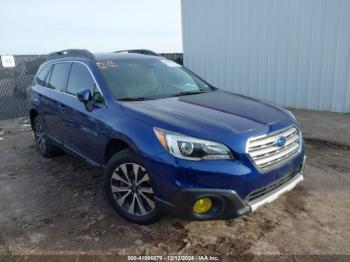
138	135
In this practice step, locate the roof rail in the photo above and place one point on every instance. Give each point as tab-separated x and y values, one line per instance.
70	53
138	51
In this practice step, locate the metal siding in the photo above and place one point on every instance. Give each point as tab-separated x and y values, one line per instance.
295	53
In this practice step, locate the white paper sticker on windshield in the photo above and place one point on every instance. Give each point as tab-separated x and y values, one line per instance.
170	63
105	64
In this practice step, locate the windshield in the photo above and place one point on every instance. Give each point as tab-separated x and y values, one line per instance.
142	79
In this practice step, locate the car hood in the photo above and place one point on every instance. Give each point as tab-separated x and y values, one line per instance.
215	113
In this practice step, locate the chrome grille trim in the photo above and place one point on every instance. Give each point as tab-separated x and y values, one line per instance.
265	154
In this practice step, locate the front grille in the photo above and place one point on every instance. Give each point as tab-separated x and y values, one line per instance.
264	190
264	151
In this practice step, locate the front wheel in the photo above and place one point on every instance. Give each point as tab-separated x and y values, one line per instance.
129	188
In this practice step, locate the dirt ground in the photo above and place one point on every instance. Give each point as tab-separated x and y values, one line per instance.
58	206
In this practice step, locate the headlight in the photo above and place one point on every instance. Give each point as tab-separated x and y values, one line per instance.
191	148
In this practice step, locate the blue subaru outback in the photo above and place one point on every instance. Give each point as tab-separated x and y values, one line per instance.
167	141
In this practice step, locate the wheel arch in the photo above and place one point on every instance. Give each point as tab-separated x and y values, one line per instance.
117	144
32	115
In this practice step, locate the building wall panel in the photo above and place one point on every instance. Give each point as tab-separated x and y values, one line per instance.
295	53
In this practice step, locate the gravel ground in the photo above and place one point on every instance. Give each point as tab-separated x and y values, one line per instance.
58	206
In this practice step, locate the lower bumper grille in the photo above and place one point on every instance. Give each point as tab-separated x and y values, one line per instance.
265	190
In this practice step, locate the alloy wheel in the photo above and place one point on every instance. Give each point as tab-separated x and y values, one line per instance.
132	189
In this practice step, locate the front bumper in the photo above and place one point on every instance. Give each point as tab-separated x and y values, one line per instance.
227	203
274	194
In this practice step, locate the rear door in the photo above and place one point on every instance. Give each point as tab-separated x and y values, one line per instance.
83	129
52	99
38	92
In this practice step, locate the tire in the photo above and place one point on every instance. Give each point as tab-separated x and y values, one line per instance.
45	148
131	196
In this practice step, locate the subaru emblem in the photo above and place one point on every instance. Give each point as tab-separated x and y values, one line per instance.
280	141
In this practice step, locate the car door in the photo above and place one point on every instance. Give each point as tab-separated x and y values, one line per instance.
53	95
83	129
39	90
49	96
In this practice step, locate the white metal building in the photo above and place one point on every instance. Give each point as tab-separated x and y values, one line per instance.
295	53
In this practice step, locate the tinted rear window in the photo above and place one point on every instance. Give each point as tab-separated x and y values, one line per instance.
40	78
58	79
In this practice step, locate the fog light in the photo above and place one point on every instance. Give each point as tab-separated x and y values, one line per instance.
202	205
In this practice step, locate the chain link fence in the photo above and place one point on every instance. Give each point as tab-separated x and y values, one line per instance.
14	82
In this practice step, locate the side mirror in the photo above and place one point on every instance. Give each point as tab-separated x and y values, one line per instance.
85	97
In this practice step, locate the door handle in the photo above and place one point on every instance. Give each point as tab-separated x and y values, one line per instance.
62	108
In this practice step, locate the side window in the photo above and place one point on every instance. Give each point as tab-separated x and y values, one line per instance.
41	77
80	78
59	76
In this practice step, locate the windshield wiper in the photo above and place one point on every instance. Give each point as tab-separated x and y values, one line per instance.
134	99
162	96
185	93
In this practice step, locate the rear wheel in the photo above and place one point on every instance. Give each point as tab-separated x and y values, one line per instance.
129	188
46	149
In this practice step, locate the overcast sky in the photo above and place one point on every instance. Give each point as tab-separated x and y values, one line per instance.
39	26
